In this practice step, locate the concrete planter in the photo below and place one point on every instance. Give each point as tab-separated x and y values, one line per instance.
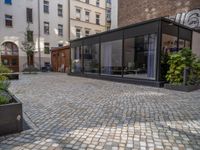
11	119
12	76
183	88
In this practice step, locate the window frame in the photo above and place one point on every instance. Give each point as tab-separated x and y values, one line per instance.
60	30
46	28
78	33
30	36
98	19
87	34
60	10
46	48
87	1
8	2
98	3
87	16
8	20
46	6
29	17
78	14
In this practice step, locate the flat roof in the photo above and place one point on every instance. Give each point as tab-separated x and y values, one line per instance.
134	25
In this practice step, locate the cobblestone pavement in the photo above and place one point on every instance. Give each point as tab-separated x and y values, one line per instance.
77	113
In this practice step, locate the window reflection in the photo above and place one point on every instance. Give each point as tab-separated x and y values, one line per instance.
91	58
169	43
183	44
76	62
140	56
111	58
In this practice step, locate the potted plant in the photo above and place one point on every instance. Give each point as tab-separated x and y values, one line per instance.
10	109
184	71
4	71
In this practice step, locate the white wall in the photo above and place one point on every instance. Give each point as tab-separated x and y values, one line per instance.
114	14
196	43
16	33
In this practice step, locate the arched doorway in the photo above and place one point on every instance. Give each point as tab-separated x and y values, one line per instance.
10	56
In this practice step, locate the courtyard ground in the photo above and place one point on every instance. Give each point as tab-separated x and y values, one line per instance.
67	112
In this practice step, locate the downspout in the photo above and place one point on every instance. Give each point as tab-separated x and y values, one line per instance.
69	20
39	50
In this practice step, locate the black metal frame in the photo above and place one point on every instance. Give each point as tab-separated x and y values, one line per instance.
138	29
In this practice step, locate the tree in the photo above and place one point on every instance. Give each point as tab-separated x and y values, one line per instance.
28	46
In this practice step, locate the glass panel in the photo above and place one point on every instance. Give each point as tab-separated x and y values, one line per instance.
14	62
76	60
187	44
169	43
91	58
140	57
181	44
111	58
5	62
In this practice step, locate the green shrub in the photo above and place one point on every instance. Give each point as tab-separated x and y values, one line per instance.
4	85
194	77
178	61
4	69
4	100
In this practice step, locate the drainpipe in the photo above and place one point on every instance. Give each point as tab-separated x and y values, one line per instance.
69	23
39	50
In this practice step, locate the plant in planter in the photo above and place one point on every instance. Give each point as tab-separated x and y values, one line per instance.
5	98
10	107
4	84
181	61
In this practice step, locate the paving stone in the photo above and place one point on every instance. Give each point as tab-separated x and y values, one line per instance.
68	112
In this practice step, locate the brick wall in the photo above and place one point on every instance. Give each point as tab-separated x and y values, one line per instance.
133	11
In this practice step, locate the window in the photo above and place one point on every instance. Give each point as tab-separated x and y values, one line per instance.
87	32
46	6
78	33
111	58
97	3
78	13
91	58
8	21
46	27
60	30
108	15
8	2
108	1
29	15
60	10
87	16
98	19
87	1
140	57
30	36
9	48
46	48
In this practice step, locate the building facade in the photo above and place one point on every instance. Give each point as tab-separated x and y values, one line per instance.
45	23
114	14
134	11
87	17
